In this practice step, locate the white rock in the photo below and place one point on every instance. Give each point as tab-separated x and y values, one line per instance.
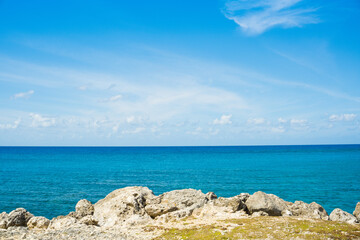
269	203
3	220
84	208
356	212
312	210
38	222
18	217
342	216
62	222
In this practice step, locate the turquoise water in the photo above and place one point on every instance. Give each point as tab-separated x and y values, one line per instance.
49	181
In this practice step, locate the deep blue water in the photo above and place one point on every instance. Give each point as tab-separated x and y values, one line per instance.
49	181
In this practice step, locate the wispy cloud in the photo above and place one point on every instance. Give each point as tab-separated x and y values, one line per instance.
223	120
11	125
40	121
256	121
23	94
257	16
342	117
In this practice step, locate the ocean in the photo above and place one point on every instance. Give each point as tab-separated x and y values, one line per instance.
48	181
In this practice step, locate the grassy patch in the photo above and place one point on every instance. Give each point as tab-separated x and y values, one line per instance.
267	227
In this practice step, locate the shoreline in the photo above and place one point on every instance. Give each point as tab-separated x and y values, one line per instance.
136	213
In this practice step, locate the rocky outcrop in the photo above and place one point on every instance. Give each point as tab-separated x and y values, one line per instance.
356	212
268	203
3	220
84	208
312	210
135	211
121	204
342	216
38	222
18	218
185	200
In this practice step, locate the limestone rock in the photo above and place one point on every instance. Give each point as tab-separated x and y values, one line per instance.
18	217
312	210
269	203
260	214
182	201
88	220
84	208
121	204
38	222
62	222
244	197
3	220
342	216
356	212
231	205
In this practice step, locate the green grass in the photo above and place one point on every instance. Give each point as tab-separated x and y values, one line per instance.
267	227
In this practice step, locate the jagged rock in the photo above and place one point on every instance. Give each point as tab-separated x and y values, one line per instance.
211	196
88	220
287	213
3	220
19	217
312	210
84	208
38	222
269	203
121	204
231	205
62	222
185	200
244	197
356	212
342	216
260	214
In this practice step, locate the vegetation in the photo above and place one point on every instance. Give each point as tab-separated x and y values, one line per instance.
267	227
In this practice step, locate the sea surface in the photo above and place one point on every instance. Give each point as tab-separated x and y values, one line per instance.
49	181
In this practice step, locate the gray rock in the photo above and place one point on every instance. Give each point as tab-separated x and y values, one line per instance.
244	197
269	203
84	208
3	220
38	222
312	210
231	205
356	212
342	216
88	220
260	214
62	222
19	217
121	204
185	200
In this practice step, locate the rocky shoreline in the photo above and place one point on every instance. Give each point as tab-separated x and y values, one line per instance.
136	213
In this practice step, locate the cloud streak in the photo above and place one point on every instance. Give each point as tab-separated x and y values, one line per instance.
23	94
257	16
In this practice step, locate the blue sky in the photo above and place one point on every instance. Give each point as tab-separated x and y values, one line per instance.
179	72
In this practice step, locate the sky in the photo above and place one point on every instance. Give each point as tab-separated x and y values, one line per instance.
170	73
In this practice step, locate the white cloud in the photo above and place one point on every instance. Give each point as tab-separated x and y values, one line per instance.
40	121
256	121
279	129
256	16
112	99
342	117
10	126
134	131
130	119
224	119
23	94
281	120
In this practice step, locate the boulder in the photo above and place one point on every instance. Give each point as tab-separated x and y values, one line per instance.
84	208
38	222
342	216
230	205
312	210
121	204
269	203
3	220
88	220
356	212
182	201
244	197
18	217
62	222
260	214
